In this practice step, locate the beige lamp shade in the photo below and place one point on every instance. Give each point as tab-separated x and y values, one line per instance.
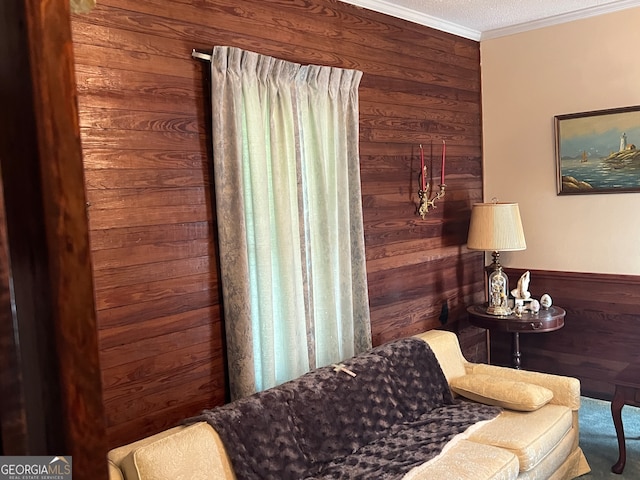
496	227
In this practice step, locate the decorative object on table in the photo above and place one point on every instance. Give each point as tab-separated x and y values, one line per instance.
496	227
522	291
534	306
424	191
518	309
598	151
545	301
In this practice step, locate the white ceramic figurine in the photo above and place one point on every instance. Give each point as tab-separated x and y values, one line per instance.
534	306
522	292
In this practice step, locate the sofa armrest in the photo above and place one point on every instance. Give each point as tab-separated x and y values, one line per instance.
180	453
446	348
566	390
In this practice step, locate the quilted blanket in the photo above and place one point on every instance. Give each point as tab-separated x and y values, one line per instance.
395	414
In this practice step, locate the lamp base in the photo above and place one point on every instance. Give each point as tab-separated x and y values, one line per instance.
498	289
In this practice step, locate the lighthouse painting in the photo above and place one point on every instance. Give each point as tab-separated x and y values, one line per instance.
598	151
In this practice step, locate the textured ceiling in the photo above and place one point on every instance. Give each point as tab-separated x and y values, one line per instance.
480	19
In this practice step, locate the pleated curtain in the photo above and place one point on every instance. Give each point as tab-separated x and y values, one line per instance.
289	215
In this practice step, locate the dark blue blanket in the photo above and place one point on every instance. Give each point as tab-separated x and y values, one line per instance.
397	413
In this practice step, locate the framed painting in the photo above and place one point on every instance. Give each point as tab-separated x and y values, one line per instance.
599	151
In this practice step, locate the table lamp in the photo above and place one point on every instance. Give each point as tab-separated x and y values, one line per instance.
496	227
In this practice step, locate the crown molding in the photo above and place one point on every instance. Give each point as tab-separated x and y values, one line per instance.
398	11
558	19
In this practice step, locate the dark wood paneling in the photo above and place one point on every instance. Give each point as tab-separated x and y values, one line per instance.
146	147
600	336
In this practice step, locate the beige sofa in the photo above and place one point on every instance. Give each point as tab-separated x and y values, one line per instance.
540	442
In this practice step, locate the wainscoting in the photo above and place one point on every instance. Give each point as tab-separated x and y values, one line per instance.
601	333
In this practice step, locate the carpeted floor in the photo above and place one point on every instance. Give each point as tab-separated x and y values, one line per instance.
599	443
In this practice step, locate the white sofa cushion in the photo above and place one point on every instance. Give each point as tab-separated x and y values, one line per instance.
566	390
492	390
553	462
466	460
529	435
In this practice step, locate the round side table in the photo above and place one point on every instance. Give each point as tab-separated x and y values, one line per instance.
546	320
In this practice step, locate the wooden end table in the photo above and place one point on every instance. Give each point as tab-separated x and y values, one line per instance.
546	320
627	393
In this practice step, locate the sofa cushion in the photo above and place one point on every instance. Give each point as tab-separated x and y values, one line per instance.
501	392
557	464
529	435
465	460
566	390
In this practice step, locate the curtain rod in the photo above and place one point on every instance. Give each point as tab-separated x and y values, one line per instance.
201	56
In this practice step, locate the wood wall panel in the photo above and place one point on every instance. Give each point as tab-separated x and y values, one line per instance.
600	336
144	126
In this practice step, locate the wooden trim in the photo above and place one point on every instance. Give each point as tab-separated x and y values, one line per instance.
13	422
48	237
585	277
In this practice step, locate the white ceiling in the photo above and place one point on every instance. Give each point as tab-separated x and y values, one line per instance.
483	19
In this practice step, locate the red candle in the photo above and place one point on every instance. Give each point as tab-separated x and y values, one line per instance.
444	156
424	186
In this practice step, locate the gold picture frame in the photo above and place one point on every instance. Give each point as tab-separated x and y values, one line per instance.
598	151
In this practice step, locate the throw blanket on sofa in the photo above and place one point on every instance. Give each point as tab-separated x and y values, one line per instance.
395	414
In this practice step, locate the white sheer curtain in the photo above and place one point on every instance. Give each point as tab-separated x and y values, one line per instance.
289	214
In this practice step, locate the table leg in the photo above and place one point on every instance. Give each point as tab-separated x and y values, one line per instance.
515	348
616	412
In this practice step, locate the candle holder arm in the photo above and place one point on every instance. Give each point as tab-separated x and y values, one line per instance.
425	202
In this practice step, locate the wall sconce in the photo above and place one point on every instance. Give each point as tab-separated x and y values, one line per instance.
496	227
424	192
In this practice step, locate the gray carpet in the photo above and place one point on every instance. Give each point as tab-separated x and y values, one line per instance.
599	443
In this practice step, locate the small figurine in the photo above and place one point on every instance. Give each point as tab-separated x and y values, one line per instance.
523	287
545	301
518	308
534	306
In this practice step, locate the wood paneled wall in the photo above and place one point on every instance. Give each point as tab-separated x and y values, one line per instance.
144	126
601	332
